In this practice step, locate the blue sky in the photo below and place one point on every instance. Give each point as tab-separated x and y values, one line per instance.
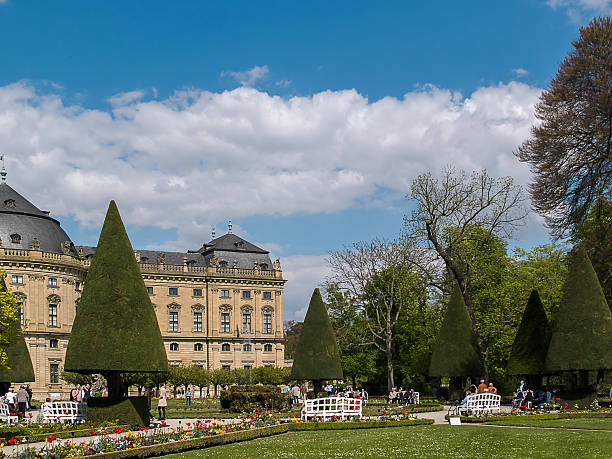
303	122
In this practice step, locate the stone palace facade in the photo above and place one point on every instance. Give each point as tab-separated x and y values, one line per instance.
220	306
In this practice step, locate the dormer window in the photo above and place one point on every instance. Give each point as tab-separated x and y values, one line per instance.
223	264
144	259
239	244
10	203
263	266
15	238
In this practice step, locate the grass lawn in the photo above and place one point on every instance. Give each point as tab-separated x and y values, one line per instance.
584	423
430	441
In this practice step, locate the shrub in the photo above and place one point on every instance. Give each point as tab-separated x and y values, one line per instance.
251	398
131	410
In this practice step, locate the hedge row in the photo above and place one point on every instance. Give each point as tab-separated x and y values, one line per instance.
245	435
544	417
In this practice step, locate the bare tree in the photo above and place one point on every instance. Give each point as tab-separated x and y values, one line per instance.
450	207
380	277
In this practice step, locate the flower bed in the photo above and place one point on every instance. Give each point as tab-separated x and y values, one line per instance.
542	416
39	432
144	442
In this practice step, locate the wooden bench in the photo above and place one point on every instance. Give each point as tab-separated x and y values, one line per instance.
328	407
476	404
64	412
5	414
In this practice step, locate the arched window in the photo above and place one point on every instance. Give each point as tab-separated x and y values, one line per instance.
174	346
225	347
246	347
198	347
267	348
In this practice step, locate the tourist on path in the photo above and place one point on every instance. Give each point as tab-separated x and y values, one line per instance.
162	402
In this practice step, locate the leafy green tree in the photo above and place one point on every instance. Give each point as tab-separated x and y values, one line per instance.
595	235
76	378
316	356
135	379
221	377
582	328
447	211
269	374
570	151
455	352
10	329
178	376
292	335
115	329
357	355
199	377
17	364
530	345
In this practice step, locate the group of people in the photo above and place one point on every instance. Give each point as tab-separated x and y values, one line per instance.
299	392
80	394
480	389
403	397
525	398
18	402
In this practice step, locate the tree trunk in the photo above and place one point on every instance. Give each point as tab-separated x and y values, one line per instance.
389	354
317	386
115	385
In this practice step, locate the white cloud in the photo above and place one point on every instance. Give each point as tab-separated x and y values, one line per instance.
248	77
582	10
520	71
304	273
283	83
200	157
126	98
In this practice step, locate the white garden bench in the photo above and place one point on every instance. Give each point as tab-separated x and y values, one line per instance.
5	414
64	412
480	404
328	407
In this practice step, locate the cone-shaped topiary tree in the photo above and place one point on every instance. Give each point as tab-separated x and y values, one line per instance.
528	355
582	328
316	355
18	358
455	352
115	329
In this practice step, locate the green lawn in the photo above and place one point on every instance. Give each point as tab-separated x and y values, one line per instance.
584	423
430	441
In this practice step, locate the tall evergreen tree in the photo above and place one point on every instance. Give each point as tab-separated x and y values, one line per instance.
115	329
582	328
18	361
528	355
317	356
455	352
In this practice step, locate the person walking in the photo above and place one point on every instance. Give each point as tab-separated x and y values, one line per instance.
22	401
188	396
162	402
295	391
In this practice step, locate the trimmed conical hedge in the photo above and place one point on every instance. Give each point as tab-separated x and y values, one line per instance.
316	354
455	352
582	329
115	328
528	356
20	368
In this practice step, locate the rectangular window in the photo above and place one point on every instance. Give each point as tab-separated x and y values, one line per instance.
267	295
77	286
17	279
53	315
197	321
246	294
54	373
225	367
173	325
224	293
246	323
225	322
197	292
53	282
150	290
53	343
173	291
267	328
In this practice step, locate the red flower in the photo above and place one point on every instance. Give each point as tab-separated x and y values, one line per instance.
188	423
30	414
118	430
51	438
19	413
92	432
163	423
13	441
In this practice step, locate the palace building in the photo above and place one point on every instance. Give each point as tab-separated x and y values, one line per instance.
220	306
